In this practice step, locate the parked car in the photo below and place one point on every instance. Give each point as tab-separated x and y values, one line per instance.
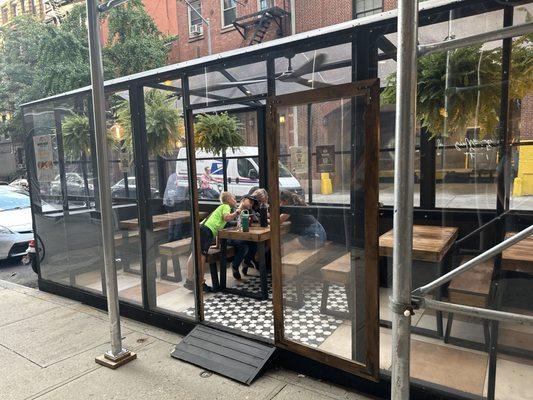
15	222
21	183
242	172
75	185
118	190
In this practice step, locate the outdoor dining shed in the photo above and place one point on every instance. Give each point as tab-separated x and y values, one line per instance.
311	119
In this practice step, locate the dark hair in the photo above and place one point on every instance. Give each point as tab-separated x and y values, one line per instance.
291	198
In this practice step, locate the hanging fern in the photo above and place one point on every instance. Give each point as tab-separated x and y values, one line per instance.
214	133
76	141
462	94
164	125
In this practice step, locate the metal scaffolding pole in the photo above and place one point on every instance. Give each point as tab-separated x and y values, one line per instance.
400	301
117	356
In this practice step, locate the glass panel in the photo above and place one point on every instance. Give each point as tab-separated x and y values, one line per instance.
222	83
70	238
517	261
313	69
124	194
319	254
521	118
241	163
169	234
386	73
48	211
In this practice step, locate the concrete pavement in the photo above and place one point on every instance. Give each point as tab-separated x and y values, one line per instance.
48	345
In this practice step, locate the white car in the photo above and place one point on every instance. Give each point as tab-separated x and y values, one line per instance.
15	222
20	184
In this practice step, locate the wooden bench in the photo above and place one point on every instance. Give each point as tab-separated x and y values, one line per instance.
213	259
297	262
173	250
337	272
471	288
179	247
518	257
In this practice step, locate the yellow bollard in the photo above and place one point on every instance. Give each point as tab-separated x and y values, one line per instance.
325	184
523	183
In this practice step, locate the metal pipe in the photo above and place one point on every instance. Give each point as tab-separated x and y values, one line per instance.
98	97
403	196
477	312
498	34
487	255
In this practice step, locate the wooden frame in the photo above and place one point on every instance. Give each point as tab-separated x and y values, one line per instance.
368	91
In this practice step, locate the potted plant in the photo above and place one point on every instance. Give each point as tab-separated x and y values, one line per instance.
76	142
474	87
164	125
214	133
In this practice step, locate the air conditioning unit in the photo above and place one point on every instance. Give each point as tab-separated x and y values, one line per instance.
196	30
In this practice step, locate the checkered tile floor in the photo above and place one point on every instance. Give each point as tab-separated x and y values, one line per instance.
305	325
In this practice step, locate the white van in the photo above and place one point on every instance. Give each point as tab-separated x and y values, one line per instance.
242	172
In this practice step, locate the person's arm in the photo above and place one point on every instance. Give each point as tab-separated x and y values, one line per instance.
231	216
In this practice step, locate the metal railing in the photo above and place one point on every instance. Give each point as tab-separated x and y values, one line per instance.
487	255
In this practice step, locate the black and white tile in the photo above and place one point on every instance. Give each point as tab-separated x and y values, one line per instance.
305	325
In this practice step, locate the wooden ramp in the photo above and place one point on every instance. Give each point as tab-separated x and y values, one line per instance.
226	354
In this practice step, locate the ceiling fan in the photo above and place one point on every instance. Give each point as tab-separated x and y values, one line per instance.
290	75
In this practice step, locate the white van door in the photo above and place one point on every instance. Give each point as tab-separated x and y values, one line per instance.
246	176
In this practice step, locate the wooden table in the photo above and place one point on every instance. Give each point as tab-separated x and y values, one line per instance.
160	220
431	245
519	257
260	235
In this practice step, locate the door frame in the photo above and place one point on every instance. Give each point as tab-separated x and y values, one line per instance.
367	90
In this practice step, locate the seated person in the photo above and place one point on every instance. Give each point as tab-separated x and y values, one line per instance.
244	249
262	199
208	232
311	234
176	198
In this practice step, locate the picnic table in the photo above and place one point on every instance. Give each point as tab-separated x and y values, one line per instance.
431	245
130	228
260	235
160	220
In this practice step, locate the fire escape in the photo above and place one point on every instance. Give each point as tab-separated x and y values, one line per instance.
254	27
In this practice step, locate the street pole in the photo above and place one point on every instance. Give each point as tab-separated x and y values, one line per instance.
400	301
117	356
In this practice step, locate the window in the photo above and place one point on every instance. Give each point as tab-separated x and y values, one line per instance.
244	166
32	7
13	9
195	21
4	15
367	7
22	6
264	4
229	12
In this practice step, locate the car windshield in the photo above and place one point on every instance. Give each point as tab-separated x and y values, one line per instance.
11	200
283	171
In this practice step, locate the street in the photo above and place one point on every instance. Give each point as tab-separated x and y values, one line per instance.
12	270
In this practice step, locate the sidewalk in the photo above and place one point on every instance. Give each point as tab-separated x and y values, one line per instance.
48	345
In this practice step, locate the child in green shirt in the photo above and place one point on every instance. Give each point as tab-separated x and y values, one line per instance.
209	230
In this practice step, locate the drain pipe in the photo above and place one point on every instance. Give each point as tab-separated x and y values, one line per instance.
400	302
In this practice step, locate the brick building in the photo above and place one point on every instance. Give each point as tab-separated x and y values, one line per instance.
10	9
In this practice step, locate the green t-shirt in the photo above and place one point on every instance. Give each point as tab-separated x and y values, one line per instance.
215	221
